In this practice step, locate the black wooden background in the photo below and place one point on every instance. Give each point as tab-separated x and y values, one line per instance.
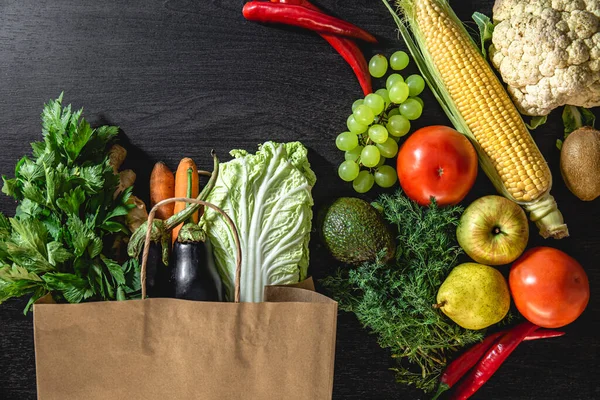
181	77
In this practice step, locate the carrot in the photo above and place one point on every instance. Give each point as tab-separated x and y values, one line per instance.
187	168
162	187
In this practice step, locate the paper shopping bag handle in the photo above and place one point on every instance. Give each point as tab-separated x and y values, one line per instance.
236	239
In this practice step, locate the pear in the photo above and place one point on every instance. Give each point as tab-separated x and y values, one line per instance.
474	296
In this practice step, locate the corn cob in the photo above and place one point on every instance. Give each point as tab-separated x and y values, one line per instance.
480	108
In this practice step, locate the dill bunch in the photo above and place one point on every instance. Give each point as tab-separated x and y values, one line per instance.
395	300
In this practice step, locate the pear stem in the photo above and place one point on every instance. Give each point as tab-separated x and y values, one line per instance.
439	305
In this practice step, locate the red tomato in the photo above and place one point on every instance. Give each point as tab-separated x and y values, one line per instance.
437	161
549	287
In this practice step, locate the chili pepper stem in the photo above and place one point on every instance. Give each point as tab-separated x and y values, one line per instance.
441	389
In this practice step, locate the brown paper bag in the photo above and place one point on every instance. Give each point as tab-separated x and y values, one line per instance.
164	349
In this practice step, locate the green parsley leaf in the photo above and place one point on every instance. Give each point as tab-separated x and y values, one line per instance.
57	254
32	260
39	148
109	287
18	288
5	227
81	235
10	187
99	140
92	178
73	288
48	160
96	279
115	270
119	211
72	201
33	193
16	273
55	227
121	296
53	185
30	234
52	117
17	281
28	209
114	227
80	134
38	294
95	248
131	268
29	171
106	133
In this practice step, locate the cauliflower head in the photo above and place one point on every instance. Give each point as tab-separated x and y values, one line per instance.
548	52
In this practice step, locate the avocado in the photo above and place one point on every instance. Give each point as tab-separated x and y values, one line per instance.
354	232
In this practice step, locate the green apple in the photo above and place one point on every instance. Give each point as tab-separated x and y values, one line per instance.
493	230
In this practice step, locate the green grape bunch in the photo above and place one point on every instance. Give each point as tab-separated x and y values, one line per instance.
377	123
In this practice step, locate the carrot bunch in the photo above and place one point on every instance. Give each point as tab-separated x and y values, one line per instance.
165	185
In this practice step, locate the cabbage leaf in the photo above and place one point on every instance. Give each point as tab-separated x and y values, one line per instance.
268	196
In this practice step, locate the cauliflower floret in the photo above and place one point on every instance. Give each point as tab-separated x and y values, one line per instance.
548	52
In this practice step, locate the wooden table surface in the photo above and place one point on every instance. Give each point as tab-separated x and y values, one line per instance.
181	77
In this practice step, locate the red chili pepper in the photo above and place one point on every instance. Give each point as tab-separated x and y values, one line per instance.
345	47
462	364
543	334
355	58
492	360
297	15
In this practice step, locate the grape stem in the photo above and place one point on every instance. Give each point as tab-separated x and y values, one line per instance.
389	108
368	141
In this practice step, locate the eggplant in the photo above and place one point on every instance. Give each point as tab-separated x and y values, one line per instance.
193	275
157	273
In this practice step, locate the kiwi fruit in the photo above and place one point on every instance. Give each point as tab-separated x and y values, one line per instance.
580	163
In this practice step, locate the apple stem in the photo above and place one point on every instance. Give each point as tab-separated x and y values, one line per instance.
496	231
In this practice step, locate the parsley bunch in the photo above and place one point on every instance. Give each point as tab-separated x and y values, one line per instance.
395	301
68	220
